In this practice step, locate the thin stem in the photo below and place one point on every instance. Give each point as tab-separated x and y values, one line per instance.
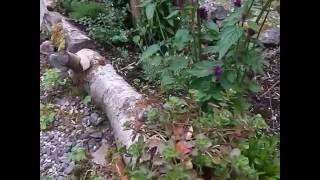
264	20
160	25
263	10
192	32
199	31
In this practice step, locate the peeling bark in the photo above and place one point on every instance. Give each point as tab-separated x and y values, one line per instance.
112	94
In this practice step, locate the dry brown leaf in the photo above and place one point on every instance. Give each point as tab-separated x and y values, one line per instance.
187	164
120	167
178	130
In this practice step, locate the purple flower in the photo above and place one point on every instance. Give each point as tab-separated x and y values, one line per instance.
203	13
237	3
179	4
218	71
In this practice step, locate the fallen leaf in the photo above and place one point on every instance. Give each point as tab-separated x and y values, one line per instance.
225	149
120	166
187	164
137	125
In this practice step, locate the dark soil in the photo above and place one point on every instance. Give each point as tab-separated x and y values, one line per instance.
267	102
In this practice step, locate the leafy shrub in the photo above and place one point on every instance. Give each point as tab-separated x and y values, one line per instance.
108	26
47	115
80	8
77	154
226	145
86	9
51	79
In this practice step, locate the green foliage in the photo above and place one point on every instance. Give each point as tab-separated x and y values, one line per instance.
47	115
51	79
87	100
169	153
77	154
158	22
85	9
104	20
253	156
177	173
228	37
140	173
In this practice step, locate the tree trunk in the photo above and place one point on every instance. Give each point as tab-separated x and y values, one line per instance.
135	11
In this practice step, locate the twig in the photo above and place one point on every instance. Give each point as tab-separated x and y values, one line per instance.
127	66
270	89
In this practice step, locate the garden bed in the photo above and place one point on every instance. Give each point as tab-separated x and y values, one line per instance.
181	135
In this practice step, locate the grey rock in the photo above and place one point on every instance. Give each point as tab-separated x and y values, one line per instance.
64	159
47	48
60	178
61	101
91	143
97	135
219	13
69	144
95	120
62	168
55	123
46	166
51	136
69	169
67	149
270	37
48	151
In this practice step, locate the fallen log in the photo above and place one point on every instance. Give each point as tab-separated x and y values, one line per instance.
108	90
112	94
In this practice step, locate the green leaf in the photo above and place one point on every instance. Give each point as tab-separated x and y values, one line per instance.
254	86
155	60
259	122
212	26
203	160
210	49
229	36
150	51
255	61
169	153
182	36
202	69
86	100
199	95
167	78
231	76
202	142
136	39
233	18
150	10
173	13
178	63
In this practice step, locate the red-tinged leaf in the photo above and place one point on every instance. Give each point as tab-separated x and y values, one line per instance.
183	148
120	167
